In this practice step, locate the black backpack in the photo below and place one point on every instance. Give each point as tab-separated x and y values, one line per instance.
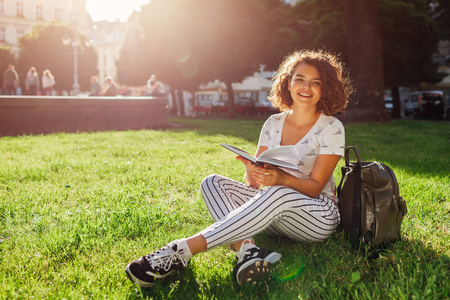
369	202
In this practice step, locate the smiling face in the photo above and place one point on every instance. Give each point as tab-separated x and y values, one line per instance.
305	86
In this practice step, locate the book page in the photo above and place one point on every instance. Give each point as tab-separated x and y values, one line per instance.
287	154
284	157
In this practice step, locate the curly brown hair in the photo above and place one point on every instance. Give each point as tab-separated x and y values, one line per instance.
336	87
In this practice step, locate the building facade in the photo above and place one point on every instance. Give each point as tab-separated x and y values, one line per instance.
18	17
107	39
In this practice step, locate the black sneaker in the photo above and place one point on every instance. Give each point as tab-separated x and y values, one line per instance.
159	264
254	265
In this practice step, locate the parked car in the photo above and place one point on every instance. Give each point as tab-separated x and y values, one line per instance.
447	107
388	104
425	105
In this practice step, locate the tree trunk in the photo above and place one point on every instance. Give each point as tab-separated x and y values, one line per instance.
231	105
174	109
396	102
365	60
181	102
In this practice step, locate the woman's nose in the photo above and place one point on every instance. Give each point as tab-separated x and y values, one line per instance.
306	85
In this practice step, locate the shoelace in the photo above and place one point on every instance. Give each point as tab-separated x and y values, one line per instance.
165	258
246	252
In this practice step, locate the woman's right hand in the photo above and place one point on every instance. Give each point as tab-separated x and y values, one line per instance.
248	164
249	167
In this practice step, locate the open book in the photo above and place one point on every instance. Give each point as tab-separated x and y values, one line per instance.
284	157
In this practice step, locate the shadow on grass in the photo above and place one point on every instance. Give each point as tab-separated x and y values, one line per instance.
187	285
331	269
418	147
240	128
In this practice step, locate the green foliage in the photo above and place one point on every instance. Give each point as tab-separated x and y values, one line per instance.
442	16
409	32
410	37
203	40
187	42
132	66
323	22
76	208
42	48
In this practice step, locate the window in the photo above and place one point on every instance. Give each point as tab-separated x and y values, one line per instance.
57	14
39	12
2	34
20	8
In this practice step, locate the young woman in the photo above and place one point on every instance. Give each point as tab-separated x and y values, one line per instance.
48	81
32	82
310	86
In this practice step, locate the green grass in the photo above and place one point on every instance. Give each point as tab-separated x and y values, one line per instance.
76	208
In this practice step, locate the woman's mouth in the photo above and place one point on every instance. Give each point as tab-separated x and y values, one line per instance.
305	95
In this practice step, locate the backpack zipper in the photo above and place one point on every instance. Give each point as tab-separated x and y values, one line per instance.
395	185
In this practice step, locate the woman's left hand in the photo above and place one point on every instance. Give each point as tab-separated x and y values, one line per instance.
267	175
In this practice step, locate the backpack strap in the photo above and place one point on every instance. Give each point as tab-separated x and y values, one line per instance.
356	211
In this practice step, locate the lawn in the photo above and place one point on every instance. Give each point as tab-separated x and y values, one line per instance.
75	209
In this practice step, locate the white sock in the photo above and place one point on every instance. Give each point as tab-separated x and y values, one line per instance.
186	251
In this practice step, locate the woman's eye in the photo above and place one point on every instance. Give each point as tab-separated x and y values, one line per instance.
316	82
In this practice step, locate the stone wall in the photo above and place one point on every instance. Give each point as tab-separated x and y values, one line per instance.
20	115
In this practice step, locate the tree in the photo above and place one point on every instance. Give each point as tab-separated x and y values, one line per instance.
283	33
6	58
365	57
350	28
442	17
42	48
187	42
237	39
410	38
172	29
160	42
408	32
132	66
322	24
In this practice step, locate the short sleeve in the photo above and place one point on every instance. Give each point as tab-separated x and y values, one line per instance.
265	135
333	139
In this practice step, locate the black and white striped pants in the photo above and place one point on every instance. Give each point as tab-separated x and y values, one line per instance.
241	212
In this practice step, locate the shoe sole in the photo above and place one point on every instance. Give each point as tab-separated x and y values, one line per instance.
257	270
137	281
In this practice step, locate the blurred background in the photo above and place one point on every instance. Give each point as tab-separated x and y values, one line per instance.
218	57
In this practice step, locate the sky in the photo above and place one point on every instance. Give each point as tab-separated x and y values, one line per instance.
113	10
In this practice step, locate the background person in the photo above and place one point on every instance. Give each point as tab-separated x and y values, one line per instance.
10	80
111	89
95	89
32	82
309	88
155	88
48	81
